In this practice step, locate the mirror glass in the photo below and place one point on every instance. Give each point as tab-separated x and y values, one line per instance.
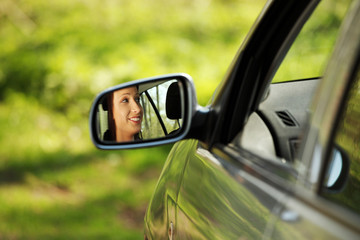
138	112
334	169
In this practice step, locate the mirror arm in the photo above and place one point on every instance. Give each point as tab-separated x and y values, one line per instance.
156	112
199	122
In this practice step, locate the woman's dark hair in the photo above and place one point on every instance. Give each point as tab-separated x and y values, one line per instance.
110	134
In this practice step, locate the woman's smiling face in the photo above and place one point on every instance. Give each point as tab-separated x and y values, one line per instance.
127	113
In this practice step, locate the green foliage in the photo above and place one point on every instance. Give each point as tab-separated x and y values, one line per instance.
58	52
55	56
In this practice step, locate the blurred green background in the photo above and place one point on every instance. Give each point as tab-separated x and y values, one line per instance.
55	56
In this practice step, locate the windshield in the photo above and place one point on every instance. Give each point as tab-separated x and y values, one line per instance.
312	48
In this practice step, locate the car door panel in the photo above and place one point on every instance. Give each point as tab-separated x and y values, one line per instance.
162	207
221	200
309	221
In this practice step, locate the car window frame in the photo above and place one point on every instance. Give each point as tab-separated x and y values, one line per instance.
317	145
158	116
257	60
354	76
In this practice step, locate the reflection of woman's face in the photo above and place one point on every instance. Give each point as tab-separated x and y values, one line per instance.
127	113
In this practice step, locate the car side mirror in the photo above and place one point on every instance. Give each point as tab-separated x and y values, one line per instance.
337	171
142	113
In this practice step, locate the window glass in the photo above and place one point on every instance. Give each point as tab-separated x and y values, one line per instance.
348	139
311	50
152	126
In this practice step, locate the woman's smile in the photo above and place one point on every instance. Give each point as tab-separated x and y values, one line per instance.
136	119
128	113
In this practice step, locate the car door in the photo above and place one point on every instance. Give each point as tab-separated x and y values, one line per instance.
233	191
326	202
227	191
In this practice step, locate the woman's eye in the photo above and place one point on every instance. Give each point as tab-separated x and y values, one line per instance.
125	100
137	100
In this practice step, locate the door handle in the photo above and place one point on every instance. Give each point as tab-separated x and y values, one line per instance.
289	216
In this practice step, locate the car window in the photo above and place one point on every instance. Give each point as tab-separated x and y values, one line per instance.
153	101
311	50
347	138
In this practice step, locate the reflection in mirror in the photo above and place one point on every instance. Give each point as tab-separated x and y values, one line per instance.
140	112
334	169
337	172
